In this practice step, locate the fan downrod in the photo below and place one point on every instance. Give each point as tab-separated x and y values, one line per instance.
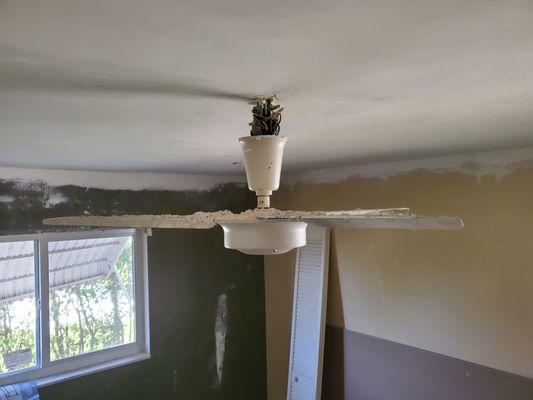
263	150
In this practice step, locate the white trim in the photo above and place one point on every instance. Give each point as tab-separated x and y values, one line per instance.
38	304
42	382
142	307
143	314
47	372
322	235
323	311
44	306
69	235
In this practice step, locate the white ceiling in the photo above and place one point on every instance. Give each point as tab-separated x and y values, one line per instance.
360	80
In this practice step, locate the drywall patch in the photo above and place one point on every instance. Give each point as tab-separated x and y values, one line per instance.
220	335
53	198
490	163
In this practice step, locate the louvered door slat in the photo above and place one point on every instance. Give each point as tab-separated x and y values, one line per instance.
308	319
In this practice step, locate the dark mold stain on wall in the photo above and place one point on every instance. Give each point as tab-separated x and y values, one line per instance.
188	271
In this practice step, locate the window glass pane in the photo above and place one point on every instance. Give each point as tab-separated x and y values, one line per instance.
91	295
17	306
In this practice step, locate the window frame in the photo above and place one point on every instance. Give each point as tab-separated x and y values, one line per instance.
47	372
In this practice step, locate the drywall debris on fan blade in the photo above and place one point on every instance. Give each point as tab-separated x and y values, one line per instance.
198	220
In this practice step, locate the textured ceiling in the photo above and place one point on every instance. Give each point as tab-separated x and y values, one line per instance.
119	85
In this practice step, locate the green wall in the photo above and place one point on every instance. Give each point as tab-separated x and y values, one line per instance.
188	271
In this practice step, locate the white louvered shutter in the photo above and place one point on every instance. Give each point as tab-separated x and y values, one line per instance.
308	316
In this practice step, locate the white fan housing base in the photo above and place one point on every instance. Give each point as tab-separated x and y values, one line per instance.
264	237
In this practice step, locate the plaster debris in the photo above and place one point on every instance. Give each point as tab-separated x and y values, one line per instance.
198	220
220	335
207	220
272	213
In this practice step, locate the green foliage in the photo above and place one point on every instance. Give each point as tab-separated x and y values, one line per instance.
13	340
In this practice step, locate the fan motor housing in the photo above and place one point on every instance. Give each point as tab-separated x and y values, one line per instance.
263	155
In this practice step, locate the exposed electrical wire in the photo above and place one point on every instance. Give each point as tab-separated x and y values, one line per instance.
267	117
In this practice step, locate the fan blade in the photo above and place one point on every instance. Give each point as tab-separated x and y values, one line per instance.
392	218
198	220
273	213
396	218
378	222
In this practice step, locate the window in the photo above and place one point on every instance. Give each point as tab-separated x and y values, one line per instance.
72	304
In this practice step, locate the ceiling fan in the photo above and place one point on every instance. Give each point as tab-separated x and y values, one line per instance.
266	230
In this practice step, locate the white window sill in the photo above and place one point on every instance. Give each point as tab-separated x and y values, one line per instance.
65	376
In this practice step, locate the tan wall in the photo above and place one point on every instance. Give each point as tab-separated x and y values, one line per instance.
466	294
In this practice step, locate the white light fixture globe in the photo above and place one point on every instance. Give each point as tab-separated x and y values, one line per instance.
263	237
